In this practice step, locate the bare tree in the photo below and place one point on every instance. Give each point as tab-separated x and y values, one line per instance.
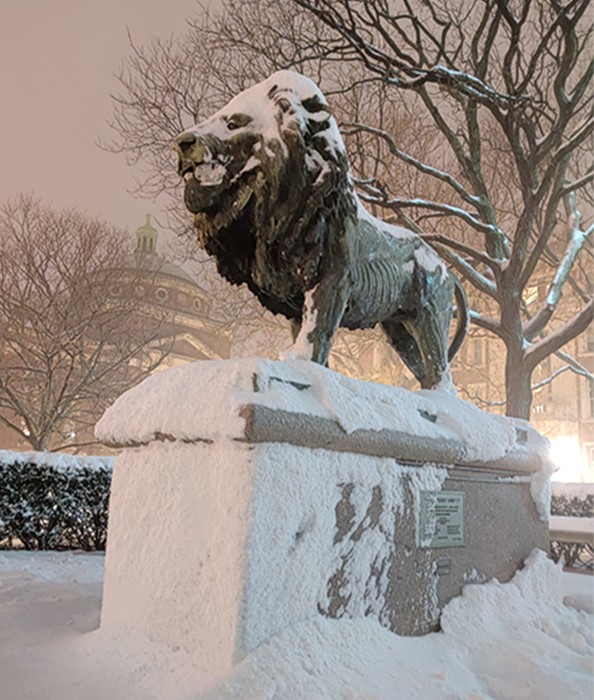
507	87
469	124
68	345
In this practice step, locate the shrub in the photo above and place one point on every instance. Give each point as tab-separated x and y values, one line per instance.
577	501
50	501
576	506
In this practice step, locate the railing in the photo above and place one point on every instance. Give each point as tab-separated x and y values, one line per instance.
572	541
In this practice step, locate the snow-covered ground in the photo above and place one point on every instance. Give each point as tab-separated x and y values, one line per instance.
512	641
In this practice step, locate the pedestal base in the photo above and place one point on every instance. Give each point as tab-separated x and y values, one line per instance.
217	543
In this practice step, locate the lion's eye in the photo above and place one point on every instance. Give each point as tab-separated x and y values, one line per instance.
237	121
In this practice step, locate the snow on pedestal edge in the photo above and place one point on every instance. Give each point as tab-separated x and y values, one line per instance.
202	401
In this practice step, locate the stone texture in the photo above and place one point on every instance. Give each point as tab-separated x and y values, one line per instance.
265	424
218	543
228	544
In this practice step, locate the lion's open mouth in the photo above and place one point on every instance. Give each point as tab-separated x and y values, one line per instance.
225	210
211	174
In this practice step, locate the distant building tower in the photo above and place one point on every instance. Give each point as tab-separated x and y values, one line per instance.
146	237
169	291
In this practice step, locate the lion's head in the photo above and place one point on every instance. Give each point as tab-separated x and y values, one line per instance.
262	177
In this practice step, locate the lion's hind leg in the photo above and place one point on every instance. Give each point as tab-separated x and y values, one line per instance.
431	331
423	349
406	346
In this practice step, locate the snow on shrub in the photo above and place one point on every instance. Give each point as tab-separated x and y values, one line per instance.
53	501
576	501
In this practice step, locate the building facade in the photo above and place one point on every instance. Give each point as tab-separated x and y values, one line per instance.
165	299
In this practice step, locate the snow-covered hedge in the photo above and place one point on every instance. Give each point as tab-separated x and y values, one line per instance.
53	501
577	501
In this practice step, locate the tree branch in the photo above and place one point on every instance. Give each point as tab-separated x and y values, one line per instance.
537	352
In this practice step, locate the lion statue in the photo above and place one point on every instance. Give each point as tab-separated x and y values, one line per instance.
268	180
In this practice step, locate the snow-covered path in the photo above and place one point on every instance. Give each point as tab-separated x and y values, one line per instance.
500	641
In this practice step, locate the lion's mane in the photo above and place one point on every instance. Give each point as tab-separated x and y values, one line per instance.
299	197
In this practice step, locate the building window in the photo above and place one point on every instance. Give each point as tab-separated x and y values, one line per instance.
162	294
590	399
530	294
198	305
478	354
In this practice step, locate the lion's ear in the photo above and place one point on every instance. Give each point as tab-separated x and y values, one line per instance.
314	104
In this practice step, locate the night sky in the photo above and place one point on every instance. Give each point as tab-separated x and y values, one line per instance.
57	62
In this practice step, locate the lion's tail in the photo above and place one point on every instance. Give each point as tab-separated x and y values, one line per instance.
462	319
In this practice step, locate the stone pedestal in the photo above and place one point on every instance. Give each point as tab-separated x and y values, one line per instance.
258	519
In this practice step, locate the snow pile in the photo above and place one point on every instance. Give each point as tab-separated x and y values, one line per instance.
174	404
511	640
540	487
516	640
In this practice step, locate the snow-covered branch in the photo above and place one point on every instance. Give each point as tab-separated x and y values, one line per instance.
574	140
415	162
446	209
394	69
486	322
477	255
576	242
559	371
576	366
468	271
578	184
537	352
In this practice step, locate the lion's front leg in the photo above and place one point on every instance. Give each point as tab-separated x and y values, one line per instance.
323	310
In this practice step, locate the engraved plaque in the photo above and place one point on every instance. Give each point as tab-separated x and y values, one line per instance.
441	519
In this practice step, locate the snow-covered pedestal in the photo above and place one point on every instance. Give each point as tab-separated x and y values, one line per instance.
251	495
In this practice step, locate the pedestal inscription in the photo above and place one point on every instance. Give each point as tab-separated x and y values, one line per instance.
441	519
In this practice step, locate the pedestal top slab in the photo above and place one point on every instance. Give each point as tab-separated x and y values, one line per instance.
258	400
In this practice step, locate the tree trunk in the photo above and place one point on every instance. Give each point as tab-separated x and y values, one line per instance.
518	392
38	444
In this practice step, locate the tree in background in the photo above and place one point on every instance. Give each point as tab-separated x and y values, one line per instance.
471	125
506	85
68	346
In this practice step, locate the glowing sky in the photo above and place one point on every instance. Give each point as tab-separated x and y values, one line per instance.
57	62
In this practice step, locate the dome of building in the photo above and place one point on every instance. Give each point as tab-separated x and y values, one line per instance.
166	291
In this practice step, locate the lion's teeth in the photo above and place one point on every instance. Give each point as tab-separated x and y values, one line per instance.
243	198
210	174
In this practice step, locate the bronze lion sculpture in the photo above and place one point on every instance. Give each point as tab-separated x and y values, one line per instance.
268	180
